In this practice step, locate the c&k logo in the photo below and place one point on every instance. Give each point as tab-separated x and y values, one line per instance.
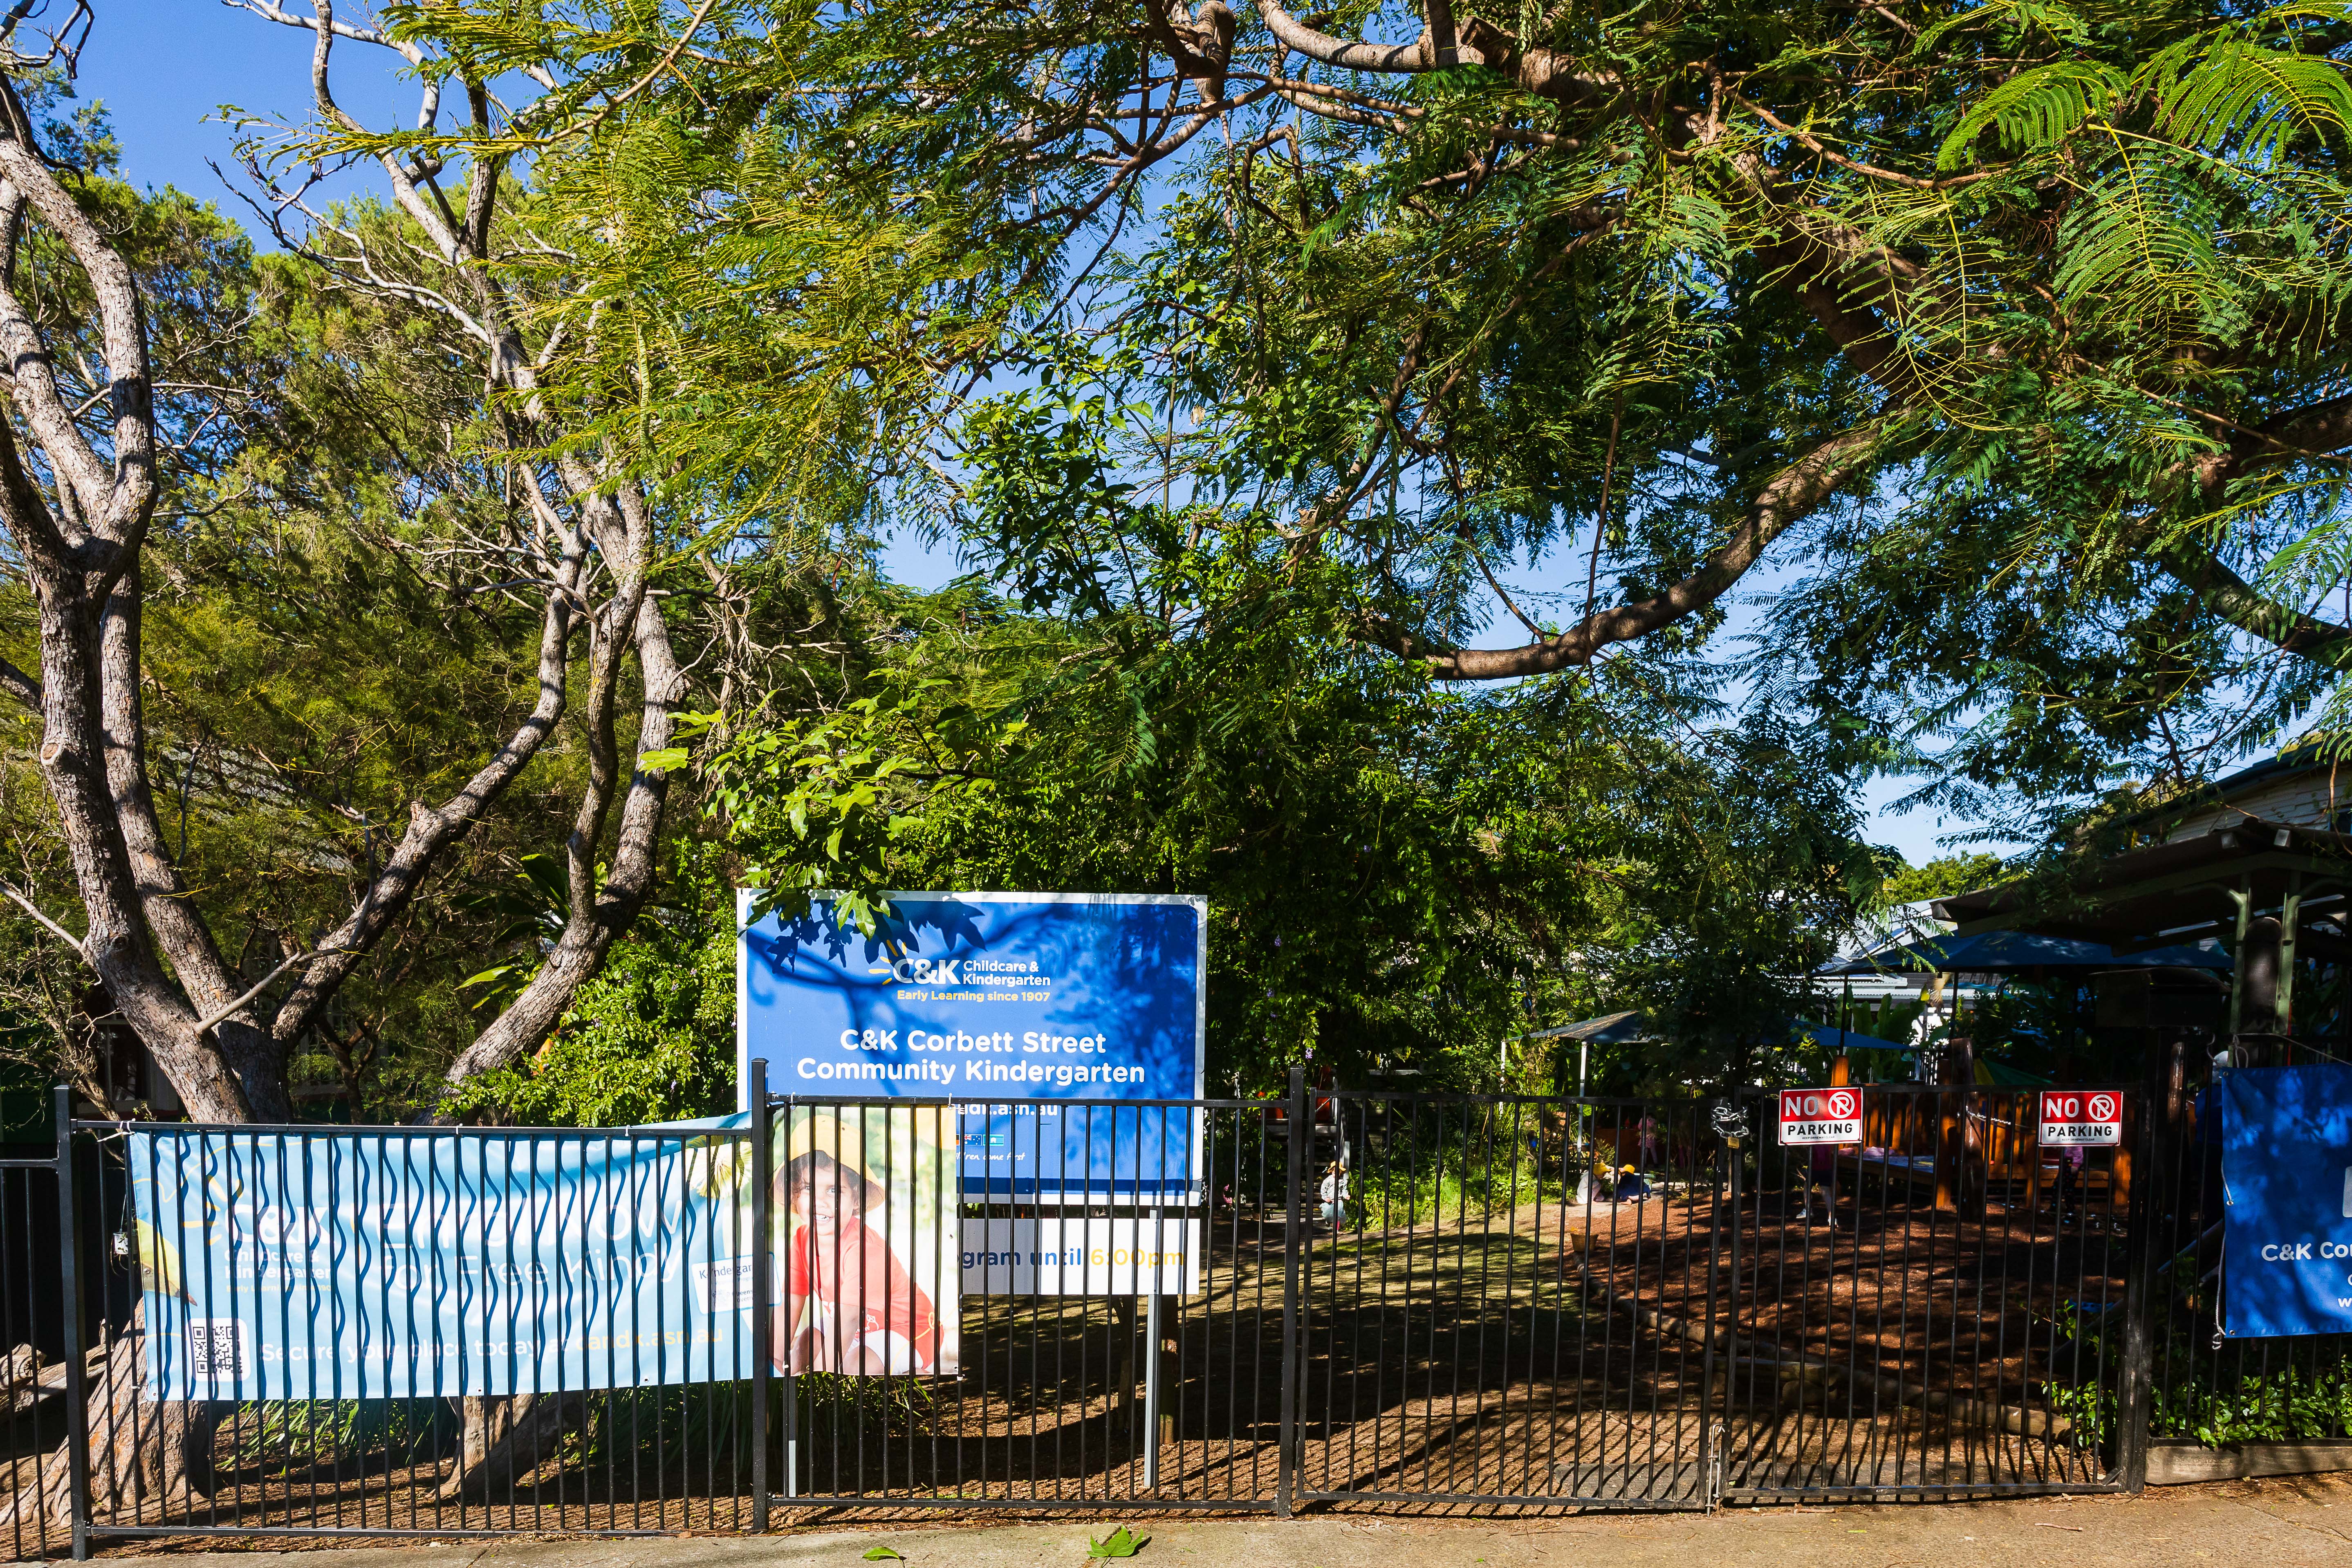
926	972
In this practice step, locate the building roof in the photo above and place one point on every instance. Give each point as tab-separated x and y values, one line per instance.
2293	760
2167	894
1831	1037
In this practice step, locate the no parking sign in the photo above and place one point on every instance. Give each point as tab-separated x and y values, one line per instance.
1821	1116
2082	1118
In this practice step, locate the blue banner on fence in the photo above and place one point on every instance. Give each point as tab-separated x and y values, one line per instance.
2286	1169
971	997
380	1265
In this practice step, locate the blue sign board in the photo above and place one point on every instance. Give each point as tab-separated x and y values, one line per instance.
2286	1170
1036	1012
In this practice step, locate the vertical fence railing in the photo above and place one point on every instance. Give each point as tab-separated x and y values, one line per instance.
2202	1386
762	1293
1373	1297
1123	1269
1929	1311
1300	1116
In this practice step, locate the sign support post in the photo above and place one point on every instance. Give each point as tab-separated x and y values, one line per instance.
1151	1359
1286	1468
761	1325
2135	1371
77	1404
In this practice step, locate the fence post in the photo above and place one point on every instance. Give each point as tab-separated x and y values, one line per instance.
1294	1221
1732	1131
77	1399
791	1411
2152	1164
762	1332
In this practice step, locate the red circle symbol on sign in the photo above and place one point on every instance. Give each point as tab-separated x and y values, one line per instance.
1840	1103
2103	1108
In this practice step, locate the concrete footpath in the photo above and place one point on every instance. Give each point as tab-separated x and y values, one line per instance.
2274	1523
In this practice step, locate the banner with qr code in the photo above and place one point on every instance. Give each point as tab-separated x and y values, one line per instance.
359	1265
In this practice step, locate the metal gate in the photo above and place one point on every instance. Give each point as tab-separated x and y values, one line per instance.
1403	1298
1923	1313
1508	1300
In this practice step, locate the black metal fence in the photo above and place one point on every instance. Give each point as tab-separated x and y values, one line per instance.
1924	1313
1115	1382
2206	1390
1337	1299
37	1335
637	1433
1505	1301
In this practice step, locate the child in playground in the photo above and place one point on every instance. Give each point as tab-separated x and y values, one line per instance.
1821	1173
1332	1195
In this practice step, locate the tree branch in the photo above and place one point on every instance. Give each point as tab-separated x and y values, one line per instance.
1393	59
215	1016
2234	600
1794	493
433	828
115	505
63	935
20	686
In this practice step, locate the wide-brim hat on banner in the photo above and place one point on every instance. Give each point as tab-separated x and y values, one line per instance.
861	1138
834	1130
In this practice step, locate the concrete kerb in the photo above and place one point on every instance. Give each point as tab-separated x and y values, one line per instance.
2279	1523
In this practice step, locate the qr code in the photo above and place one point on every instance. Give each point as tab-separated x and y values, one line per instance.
216	1347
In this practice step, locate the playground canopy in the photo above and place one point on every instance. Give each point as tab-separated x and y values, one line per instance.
2010	952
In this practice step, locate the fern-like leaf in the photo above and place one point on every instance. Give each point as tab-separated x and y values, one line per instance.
2227	92
2036	108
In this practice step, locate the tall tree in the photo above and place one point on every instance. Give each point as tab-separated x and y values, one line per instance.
584	531
1989	324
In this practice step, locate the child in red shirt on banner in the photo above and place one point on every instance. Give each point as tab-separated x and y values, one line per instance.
850	1305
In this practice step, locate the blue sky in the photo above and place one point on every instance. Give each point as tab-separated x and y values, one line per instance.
164	68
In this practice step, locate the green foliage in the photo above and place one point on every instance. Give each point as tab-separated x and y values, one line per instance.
651	1037
1396	875
1117	1543
2040	284
841	1405
290	1435
1943	876
825	798
2204	1391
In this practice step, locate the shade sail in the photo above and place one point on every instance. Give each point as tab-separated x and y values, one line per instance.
1995	952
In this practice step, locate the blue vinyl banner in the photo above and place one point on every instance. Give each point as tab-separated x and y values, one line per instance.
370	1264
2286	1171
1074	1000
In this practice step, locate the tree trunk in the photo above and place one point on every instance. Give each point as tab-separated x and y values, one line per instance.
508	1435
146	1459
